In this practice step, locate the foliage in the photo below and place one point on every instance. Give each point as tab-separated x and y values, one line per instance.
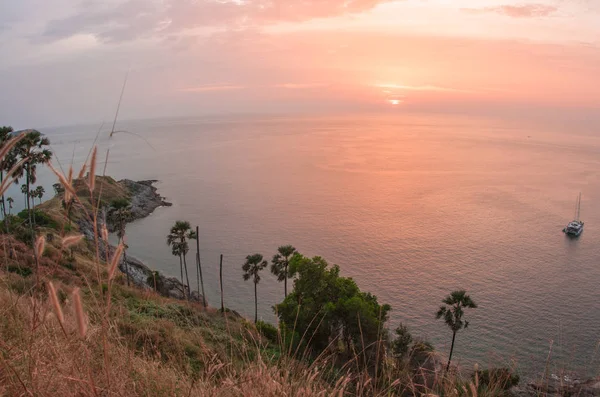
42	219
327	307
453	312
401	343
177	239
20	270
280	264
268	331
497	378
252	267
420	353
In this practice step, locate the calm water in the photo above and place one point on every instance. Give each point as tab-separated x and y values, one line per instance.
411	206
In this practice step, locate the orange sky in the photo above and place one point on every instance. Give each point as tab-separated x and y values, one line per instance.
208	56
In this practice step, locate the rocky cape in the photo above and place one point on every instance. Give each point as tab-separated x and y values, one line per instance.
144	199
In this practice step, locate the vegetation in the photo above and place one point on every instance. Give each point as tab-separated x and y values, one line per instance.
401	342
119	214
252	267
327	308
453	312
281	263
178	238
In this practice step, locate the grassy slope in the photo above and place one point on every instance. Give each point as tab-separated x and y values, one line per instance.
146	345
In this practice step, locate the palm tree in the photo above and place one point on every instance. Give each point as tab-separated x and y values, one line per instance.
24	191
452	312
39	193
254	264
10	202
119	213
280	264
181	232
33	148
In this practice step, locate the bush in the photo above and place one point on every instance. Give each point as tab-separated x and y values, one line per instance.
420	353
41	218
497	378
401	342
21	271
268	331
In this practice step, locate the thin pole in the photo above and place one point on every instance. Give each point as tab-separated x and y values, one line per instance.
221	280
200	264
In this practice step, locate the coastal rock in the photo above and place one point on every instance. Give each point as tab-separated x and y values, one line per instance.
144	200
555	385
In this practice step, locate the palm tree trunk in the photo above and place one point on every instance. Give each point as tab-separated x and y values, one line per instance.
285	282
27	196
181	268
126	265
186	276
255	304
451	350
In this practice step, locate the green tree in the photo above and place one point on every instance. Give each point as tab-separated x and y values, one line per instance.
401	343
252	267
119	214
453	312
181	232
25	193
280	265
33	148
10	202
39	193
327	307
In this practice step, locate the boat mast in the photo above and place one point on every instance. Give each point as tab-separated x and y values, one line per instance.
578	209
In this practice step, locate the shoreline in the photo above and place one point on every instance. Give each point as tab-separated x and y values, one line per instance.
145	199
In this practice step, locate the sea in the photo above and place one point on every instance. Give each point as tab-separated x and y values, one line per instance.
411	206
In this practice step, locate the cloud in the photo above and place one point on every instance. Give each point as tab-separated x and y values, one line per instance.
517	11
208	88
419	88
130	19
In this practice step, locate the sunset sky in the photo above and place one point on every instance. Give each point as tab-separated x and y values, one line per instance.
64	61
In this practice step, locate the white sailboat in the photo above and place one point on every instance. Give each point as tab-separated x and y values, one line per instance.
575	227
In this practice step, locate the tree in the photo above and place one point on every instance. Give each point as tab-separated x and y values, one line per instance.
118	214
252	267
181	232
401	342
10	202
25	193
280	265
327	307
452	312
34	149
39	193
6	163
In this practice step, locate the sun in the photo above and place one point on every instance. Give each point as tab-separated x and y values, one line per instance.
395	102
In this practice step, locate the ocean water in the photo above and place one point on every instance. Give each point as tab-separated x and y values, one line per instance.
410	206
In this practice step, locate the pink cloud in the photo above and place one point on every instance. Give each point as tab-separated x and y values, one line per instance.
208	88
517	11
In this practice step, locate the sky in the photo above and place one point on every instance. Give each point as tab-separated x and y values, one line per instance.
65	61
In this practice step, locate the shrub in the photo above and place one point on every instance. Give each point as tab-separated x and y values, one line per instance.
401	342
21	271
268	331
41	218
498	378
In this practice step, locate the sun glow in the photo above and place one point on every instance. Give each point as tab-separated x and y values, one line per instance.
395	101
